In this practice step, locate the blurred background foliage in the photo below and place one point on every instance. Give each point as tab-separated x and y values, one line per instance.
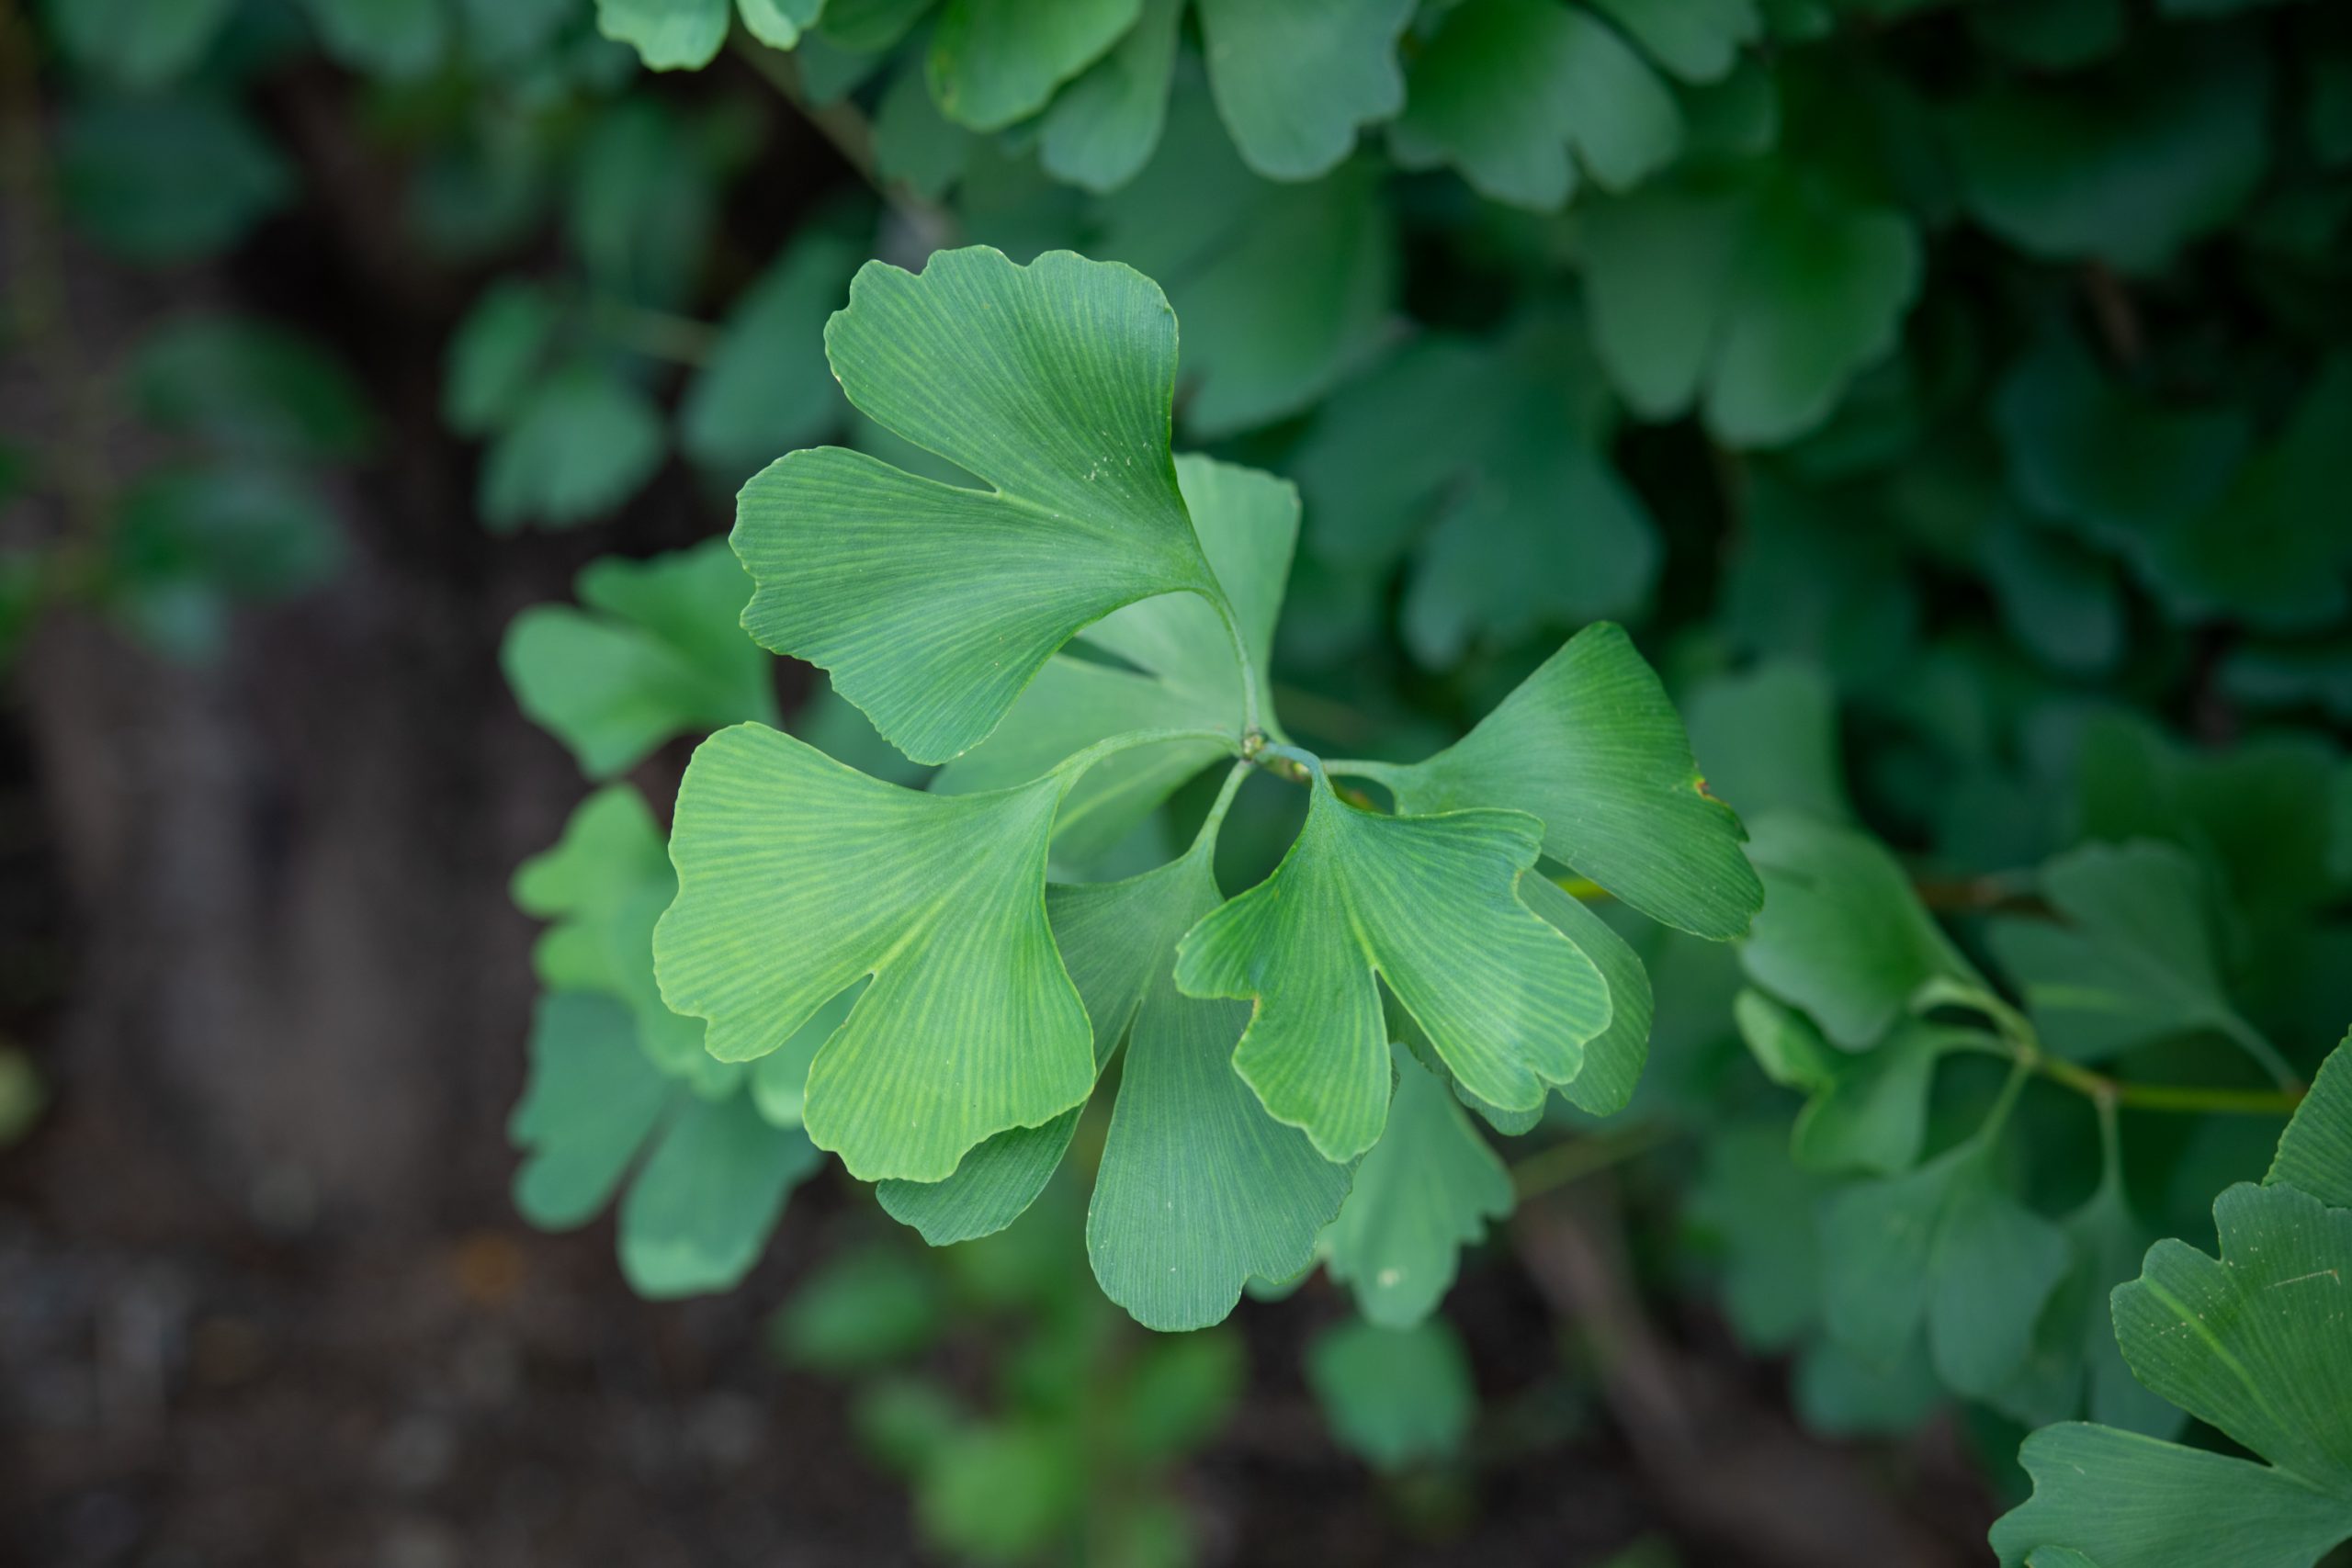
1953	398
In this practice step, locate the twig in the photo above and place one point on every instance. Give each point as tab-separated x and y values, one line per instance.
852	135
1565	1163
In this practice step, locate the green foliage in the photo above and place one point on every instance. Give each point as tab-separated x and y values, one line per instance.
1950	399
1394	1396
2252	1344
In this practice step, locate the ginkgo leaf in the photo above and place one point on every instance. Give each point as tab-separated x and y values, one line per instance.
2270	548
1108	937
1283	289
1198	1188
1747	292
764	389
1698	40
1944	1248
656	651
140	43
934	605
994	62
1430	905
580	441
2074	1367
1426	1190
1590	746
1865	1112
2252	1342
2135	960
1293	83
797	877
779	24
1394	1397
1841	935
2315	1151
1769	739
1176	670
702	1209
1103	127
1756	1206
667	35
1614	1057
1540	529
382	37
2128	165
1505	89
592	1098
602	887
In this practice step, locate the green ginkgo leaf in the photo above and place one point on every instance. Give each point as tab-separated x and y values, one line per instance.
1864	1112
667	35
656	651
581	441
1113	944
1102	127
2315	1151
1426	1190
1613	1058
1944	1248
934	605
1294	82
1589	745
709	1195
1506	89
1282	289
602	887
1428	904
592	1098
779	24
1698	40
1747	291
1756	1206
994	62
2253	1343
799	877
2128	165
764	389
1175	669
1841	935
140	43
1394	1397
2135	960
383	37
1199	1188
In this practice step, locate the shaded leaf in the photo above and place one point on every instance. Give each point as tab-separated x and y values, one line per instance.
1394	1397
1744	292
655	651
1426	1189
1506	89
700	1213
994	62
1293	83
1103	127
1842	934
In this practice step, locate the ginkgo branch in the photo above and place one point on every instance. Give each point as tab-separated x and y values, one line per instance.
2014	1036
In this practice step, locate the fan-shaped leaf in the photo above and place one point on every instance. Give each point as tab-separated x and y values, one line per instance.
1589	745
934	605
1429	904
